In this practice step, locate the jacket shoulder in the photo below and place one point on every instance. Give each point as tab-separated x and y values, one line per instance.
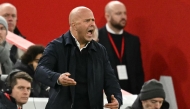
131	35
98	45
58	40
103	29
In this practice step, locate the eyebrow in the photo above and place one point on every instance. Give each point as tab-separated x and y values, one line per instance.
90	19
157	100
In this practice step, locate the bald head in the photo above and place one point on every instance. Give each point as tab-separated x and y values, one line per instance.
112	5
82	24
9	12
3	5
75	14
115	14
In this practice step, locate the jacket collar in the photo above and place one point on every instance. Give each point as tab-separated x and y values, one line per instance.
68	38
10	98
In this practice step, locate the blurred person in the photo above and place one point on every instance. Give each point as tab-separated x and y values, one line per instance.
9	12
17	90
77	68
123	48
1	83
95	35
5	61
152	96
28	63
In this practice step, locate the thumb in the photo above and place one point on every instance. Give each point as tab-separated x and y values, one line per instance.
67	73
112	97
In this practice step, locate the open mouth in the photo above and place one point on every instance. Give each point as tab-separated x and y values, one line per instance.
90	31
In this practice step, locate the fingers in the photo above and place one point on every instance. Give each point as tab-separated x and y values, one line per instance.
65	80
114	103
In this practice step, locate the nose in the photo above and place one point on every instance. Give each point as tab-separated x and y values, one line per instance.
92	23
9	18
26	93
158	105
124	16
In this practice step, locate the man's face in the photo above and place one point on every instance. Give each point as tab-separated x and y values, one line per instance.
21	91
10	14
154	103
85	26
3	34
117	16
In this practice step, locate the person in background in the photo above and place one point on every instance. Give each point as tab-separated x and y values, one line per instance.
77	68
95	35
152	96
1	83
9	12
123	48
28	63
17	90
5	61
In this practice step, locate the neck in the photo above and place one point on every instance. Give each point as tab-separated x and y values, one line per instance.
82	43
114	29
13	100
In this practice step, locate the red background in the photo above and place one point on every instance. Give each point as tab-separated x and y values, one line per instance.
162	26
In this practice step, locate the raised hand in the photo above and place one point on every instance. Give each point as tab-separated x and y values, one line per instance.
114	103
65	80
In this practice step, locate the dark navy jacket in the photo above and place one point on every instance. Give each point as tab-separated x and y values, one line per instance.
58	57
132	60
5	103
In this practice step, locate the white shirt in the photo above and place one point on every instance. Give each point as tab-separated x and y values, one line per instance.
78	44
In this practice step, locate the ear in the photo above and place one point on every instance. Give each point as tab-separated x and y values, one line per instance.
17	19
143	103
74	26
107	16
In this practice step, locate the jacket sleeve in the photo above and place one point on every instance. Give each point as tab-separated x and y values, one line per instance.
44	72
111	84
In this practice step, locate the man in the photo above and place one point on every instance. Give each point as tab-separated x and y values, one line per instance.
152	96
5	61
9	12
77	68
17	91
123	48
